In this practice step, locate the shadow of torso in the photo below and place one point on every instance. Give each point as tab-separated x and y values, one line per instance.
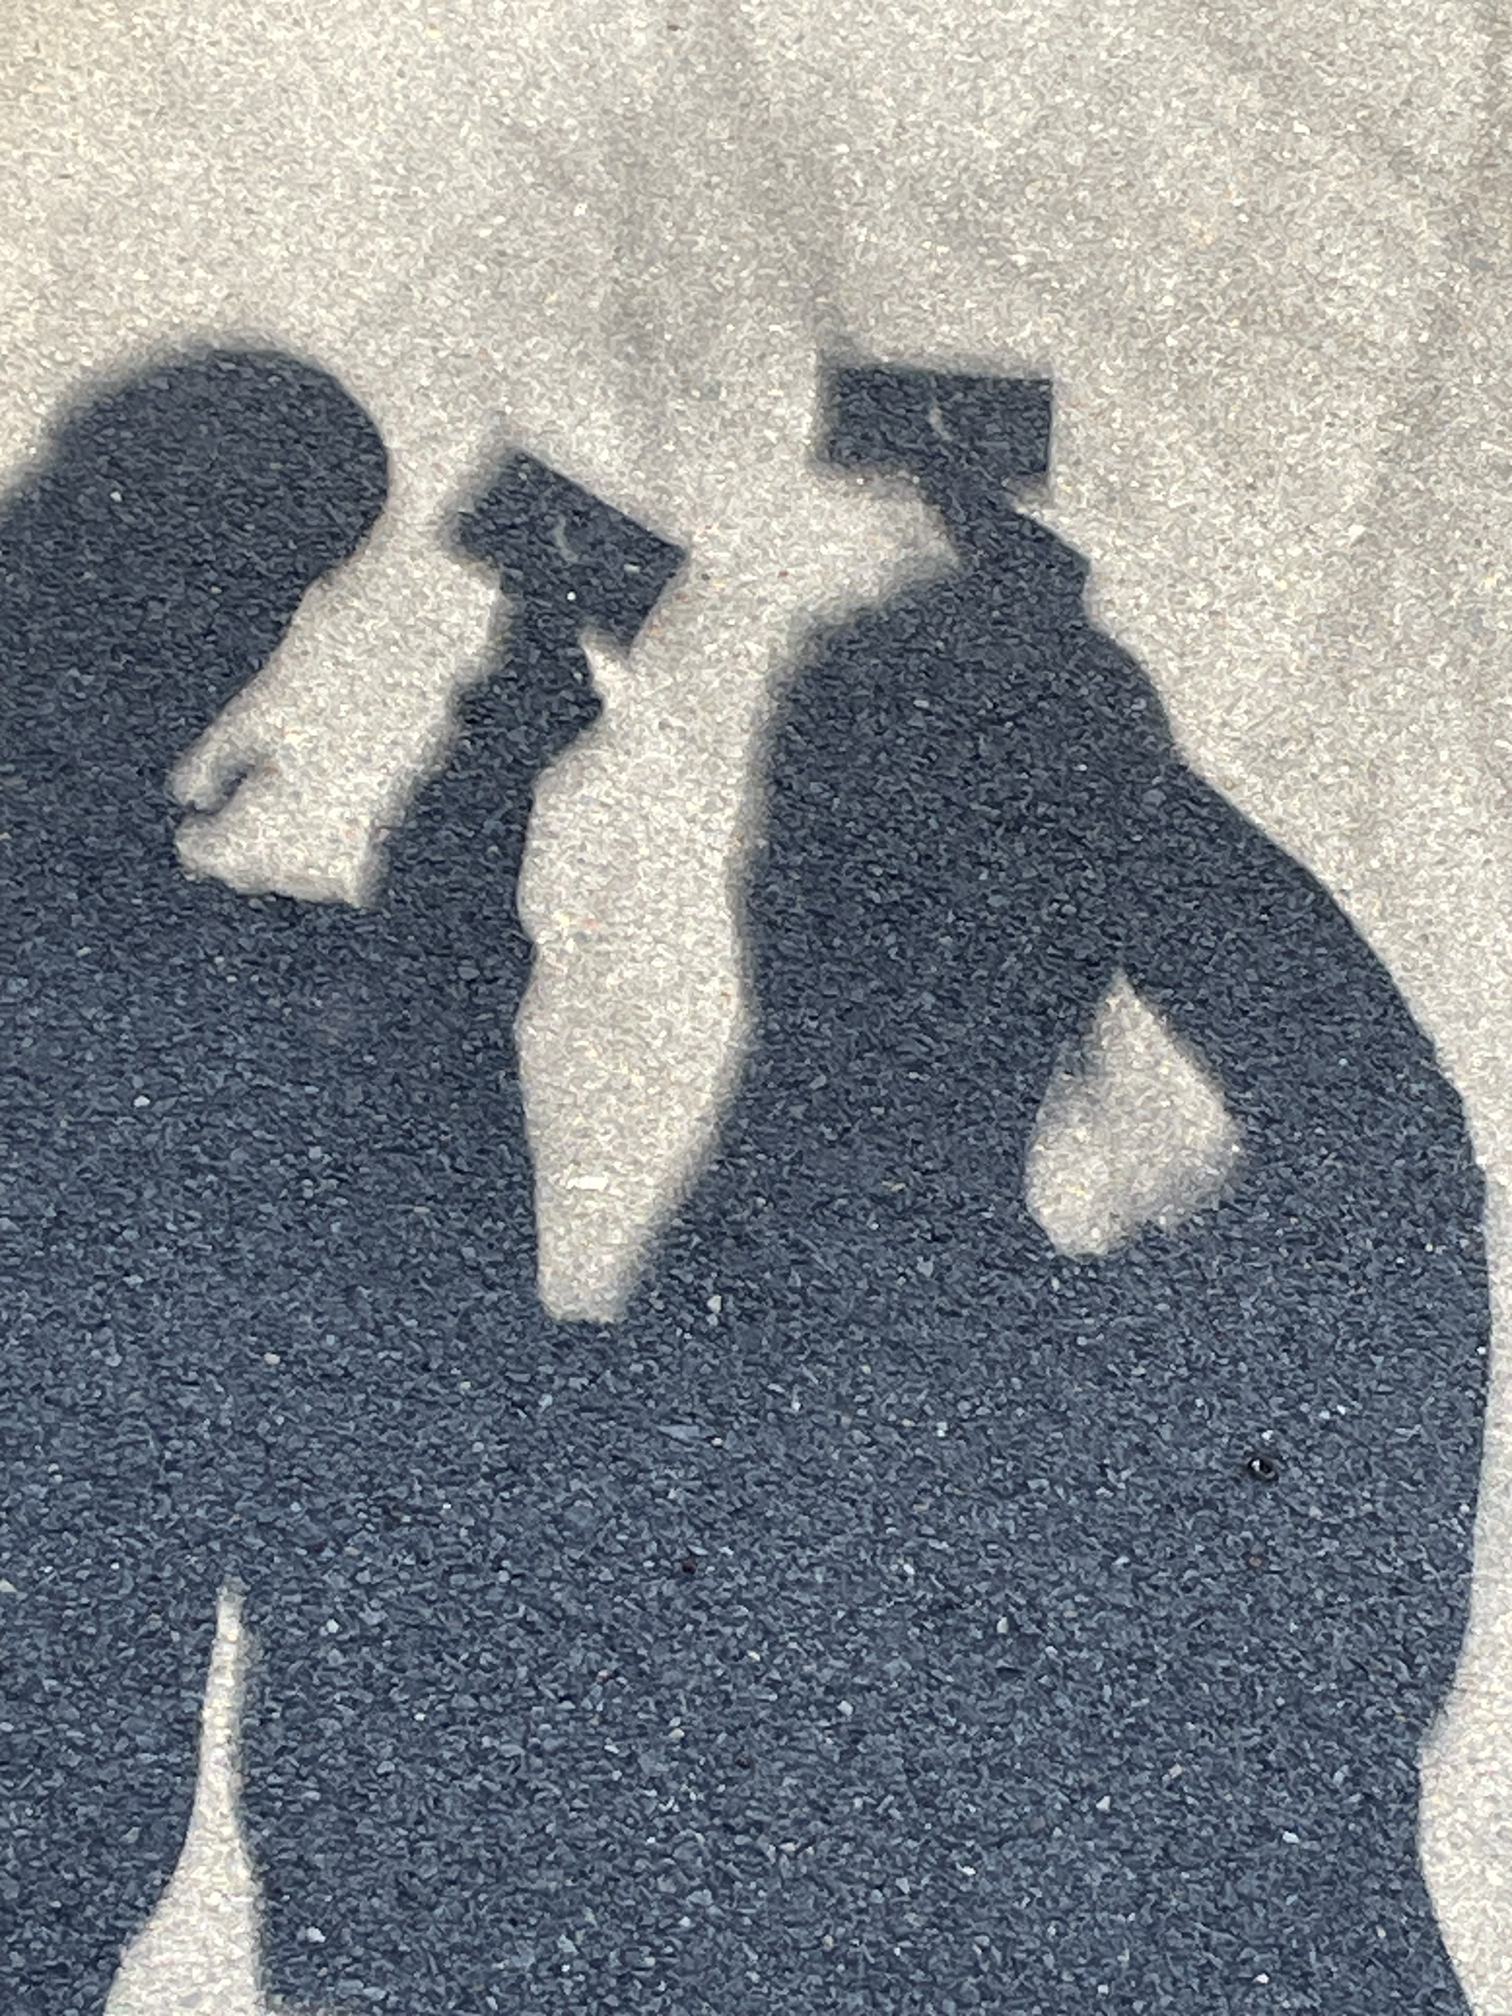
265	1195
962	1612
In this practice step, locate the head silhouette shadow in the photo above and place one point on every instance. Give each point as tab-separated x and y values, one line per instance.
151	565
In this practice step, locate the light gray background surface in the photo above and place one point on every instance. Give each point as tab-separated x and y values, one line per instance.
1265	251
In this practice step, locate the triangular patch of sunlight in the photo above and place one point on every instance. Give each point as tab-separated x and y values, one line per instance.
1132	1132
198	1951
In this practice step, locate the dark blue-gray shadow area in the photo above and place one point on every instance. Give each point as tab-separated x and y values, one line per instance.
268	1240
925	1621
892	1615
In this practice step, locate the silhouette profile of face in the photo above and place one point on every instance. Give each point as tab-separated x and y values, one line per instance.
153	562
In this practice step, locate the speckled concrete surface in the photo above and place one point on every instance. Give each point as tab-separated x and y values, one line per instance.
1264	258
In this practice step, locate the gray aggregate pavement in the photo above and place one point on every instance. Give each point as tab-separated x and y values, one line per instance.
1264	258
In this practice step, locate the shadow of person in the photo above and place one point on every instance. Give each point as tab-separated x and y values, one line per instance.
266	1222
149	566
919	1618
